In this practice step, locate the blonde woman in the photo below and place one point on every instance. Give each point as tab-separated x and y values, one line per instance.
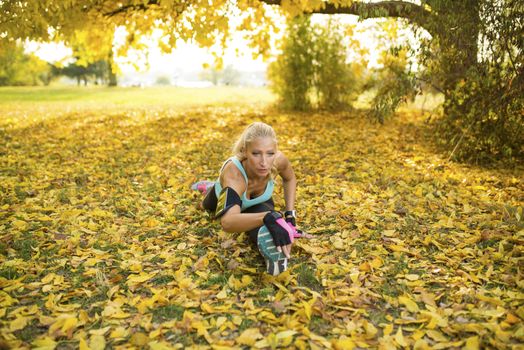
242	196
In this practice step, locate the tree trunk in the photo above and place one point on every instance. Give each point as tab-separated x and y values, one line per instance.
110	70
458	44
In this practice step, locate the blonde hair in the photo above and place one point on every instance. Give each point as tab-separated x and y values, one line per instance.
252	132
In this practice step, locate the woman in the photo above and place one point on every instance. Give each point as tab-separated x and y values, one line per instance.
242	196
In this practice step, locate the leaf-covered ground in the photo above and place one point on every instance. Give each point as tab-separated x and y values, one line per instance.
102	244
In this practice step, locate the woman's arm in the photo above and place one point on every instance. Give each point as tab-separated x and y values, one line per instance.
285	170
233	220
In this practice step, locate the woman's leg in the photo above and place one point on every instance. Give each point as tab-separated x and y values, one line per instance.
259	208
210	200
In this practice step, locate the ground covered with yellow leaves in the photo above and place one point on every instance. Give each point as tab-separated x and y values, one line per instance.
102	244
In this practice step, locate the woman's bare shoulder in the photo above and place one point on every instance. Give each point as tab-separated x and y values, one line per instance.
281	161
232	177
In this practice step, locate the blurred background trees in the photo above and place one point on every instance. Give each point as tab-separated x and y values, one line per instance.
19	68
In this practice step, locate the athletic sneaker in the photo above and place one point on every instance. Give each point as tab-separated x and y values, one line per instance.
276	262
202	186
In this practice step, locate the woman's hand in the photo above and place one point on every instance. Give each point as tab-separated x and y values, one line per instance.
281	232
290	216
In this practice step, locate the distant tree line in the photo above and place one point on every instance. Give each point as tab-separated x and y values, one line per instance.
18	68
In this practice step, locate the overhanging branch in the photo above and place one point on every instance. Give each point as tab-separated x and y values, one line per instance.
414	13
131	7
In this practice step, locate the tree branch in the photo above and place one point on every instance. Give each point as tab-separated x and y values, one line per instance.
414	13
125	8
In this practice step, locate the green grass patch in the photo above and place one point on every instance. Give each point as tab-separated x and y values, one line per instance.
9	273
168	312
319	325
218	279
30	332
306	277
24	247
162	280
265	292
99	97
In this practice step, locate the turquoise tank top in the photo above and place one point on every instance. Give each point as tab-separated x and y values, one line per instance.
246	203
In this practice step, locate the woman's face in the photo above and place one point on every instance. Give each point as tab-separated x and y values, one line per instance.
260	156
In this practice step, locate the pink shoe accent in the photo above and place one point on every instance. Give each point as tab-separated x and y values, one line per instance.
202	186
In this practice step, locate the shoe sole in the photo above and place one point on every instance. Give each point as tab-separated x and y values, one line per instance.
276	262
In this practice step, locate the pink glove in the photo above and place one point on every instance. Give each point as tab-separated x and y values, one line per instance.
293	232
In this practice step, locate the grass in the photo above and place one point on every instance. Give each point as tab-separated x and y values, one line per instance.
306	277
133	97
168	312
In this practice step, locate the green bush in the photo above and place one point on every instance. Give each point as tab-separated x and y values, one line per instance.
312	69
18	68
335	81
484	121
291	75
395	84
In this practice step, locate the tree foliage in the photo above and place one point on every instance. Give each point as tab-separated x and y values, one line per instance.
483	118
312	68
20	68
335	81
292	74
394	84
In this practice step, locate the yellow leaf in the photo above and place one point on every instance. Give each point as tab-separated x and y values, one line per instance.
472	343
338	243
139	339
376	262
140	278
249	337
45	343
222	294
69	323
370	329
365	266
119	332
82	345
19	224
389	233
99	331
343	344
421	344
113	310
237	320
388	329
412	277
436	335
155	345
399	338
307	309
512	319
19	323
97	342
354	276
285	334
220	321
410	304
